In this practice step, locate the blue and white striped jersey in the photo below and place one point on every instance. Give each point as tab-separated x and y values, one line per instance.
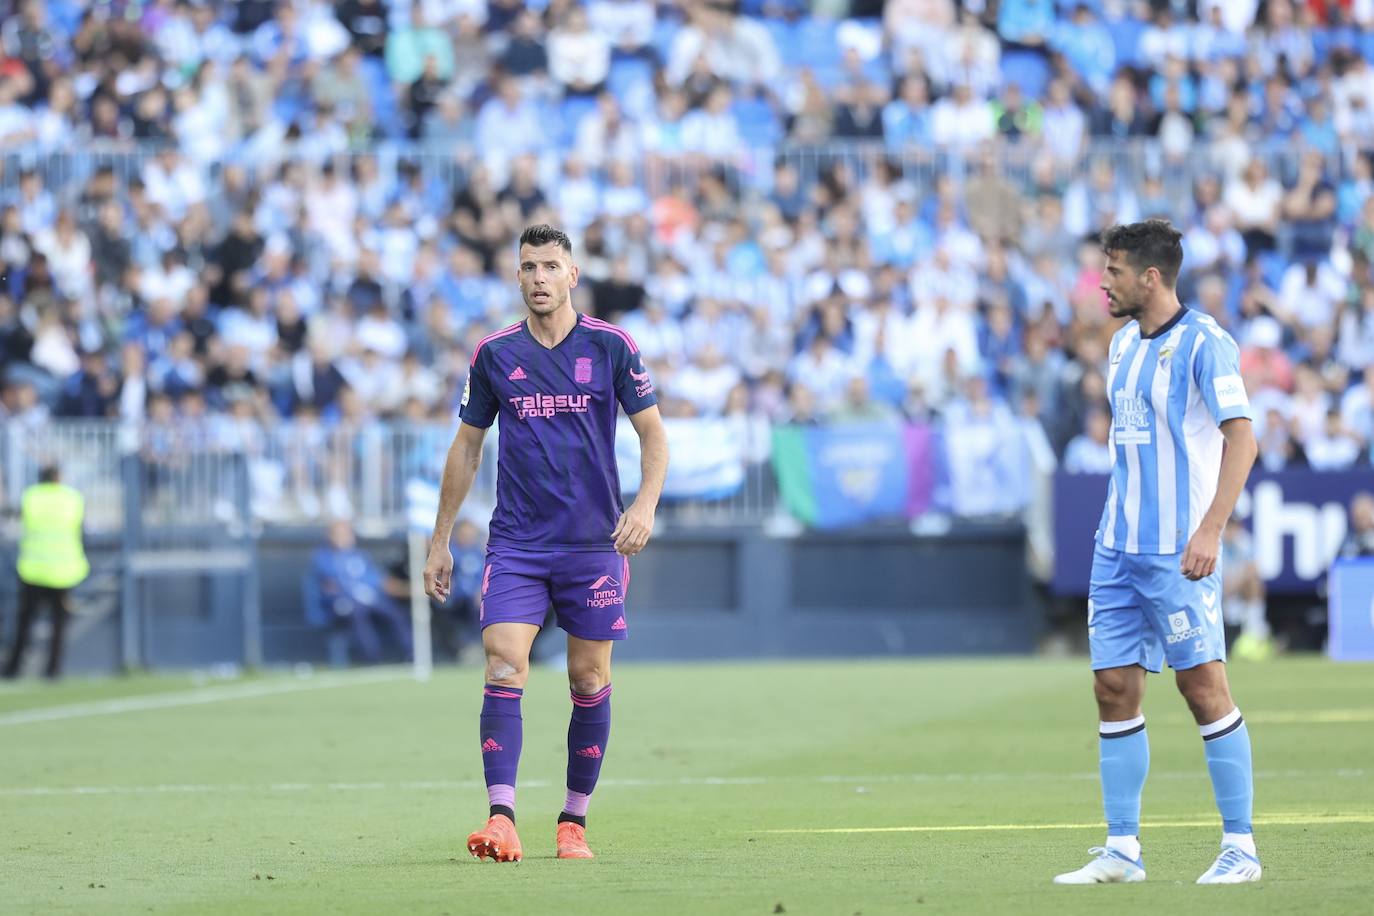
1169	394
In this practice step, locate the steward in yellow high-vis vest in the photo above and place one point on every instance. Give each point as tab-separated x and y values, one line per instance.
52	561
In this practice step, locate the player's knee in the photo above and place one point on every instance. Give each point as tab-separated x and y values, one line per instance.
1115	694
587	679
506	672
1207	697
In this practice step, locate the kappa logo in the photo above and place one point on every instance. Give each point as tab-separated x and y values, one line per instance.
518	375
582	370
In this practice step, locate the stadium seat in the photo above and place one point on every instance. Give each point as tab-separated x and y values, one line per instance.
1126	34
1027	69
1366	45
813	43
1272	265
758	123
631	81
386	114
665	30
571	111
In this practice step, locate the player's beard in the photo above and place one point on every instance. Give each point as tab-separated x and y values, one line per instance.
1124	308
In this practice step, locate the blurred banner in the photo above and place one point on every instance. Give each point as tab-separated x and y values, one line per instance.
706	458
989	471
1298	520
847	474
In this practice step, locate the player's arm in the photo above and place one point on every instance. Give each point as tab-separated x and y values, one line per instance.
460	468
1200	557
636	524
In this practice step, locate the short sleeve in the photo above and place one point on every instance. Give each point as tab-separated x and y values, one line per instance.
633	387
479	404
1216	370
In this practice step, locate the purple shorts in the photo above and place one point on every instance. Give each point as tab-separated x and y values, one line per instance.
587	590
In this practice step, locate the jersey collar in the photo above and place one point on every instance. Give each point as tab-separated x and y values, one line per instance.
1167	326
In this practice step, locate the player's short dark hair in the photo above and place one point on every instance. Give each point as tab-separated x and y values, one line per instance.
544	234
49	473
1152	243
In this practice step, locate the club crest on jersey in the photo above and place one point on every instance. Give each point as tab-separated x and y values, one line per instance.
1165	357
582	370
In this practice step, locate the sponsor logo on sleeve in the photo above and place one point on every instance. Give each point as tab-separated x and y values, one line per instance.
1230	391
643	386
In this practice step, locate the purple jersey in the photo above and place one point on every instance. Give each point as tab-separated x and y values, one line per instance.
557	487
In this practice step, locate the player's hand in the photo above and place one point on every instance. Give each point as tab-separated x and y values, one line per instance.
1200	556
438	572
633	530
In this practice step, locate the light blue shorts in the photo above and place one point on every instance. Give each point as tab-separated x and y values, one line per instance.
1142	610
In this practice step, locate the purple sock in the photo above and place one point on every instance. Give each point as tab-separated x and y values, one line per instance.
501	736
588	732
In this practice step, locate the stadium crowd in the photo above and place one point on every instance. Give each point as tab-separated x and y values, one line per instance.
805	212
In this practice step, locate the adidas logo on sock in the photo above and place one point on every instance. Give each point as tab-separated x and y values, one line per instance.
518	375
594	752
619	624
490	745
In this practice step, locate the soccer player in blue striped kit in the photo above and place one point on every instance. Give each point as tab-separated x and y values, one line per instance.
1183	447
559	535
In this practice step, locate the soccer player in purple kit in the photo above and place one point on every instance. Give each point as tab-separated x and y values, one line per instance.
559	534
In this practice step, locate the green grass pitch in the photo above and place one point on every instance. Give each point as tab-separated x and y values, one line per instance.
354	793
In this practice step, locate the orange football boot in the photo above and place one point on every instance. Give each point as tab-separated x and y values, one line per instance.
497	841
572	841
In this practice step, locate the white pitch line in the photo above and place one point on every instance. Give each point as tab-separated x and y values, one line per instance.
682	782
195	697
1276	820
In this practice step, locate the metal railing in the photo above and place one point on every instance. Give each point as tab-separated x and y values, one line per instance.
297	473
748	169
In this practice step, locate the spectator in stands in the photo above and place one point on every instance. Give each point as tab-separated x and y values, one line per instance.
408	48
91	391
959	119
1255	199
1243	594
1089	451
1359	538
1087	46
525	54
579	57
346	591
1025	23
733	48
907	118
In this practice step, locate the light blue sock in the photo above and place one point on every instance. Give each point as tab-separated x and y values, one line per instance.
1124	758
1227	743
